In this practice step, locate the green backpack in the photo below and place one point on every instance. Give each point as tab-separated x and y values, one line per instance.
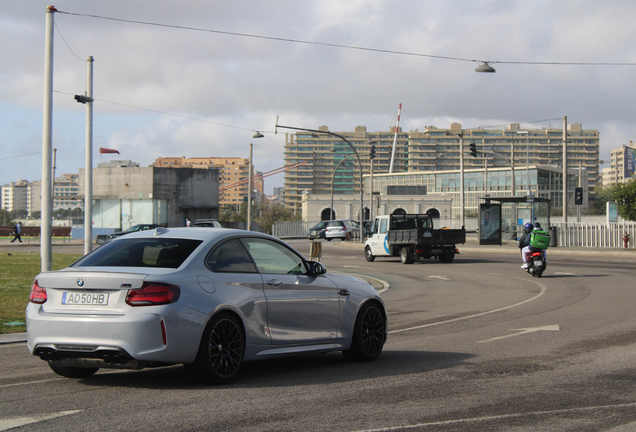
539	239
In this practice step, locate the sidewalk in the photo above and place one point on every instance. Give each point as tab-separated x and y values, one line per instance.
12	338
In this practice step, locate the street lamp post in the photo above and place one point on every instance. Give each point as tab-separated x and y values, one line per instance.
527	159
249	187
354	152
461	178
333	176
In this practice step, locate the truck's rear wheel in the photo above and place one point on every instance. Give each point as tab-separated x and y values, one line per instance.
405	256
368	254
446	257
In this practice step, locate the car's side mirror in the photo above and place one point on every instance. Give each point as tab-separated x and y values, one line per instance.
316	268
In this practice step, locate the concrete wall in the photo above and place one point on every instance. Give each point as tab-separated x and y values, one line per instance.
189	192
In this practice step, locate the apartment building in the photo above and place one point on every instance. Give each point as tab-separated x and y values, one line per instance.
27	196
621	168
430	150
232	170
14	196
66	192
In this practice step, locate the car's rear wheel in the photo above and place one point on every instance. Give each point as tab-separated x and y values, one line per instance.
72	372
368	254
406	257
446	257
369	334
220	355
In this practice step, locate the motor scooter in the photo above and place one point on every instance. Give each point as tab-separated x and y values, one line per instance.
536	262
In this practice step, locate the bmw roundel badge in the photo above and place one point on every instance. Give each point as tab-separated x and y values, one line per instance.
80	282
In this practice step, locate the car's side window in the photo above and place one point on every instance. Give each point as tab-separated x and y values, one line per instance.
273	258
230	257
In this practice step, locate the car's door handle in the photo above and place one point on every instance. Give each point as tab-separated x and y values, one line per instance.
343	292
274	282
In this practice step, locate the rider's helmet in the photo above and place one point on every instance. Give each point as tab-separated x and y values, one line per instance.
537	225
528	227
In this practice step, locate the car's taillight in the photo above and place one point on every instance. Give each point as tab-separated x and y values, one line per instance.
153	294
38	294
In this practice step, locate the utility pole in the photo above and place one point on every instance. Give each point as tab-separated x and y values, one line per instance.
565	169
47	198
461	186
88	193
249	193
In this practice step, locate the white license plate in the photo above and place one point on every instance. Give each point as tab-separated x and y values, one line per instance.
70	298
538	263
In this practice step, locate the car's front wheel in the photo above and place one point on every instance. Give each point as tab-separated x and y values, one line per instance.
72	372
221	352
369	334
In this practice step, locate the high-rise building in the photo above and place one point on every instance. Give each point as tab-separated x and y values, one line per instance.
621	168
14	196
231	170
431	149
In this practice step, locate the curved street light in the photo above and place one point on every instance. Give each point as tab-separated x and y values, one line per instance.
354	152
333	176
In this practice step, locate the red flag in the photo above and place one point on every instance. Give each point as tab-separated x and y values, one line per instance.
103	150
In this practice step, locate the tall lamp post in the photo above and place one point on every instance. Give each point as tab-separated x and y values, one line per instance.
527	160
249	185
354	152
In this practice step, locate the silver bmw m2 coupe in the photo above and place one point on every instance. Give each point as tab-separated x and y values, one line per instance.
208	298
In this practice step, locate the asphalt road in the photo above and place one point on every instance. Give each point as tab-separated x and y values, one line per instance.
476	345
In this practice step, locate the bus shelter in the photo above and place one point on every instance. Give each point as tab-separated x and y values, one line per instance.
504	217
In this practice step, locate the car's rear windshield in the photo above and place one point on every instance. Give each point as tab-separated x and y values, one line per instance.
140	252
336	224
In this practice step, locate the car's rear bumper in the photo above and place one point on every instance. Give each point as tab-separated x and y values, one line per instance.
139	335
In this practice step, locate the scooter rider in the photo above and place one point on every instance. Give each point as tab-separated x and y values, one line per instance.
526	248
524	243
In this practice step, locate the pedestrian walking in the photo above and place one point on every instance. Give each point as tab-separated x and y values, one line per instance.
188	222
16	232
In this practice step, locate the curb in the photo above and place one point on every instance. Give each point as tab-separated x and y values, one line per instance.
11	338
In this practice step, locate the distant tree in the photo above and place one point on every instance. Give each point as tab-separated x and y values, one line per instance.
602	194
5	218
268	213
625	195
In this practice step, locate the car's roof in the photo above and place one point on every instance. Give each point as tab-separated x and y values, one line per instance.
194	233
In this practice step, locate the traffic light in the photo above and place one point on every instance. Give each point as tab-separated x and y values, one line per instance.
473	149
83	99
372	152
578	196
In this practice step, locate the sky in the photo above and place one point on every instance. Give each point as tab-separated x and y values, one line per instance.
198	78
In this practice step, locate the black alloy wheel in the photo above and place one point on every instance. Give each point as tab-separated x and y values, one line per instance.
369	334
221	352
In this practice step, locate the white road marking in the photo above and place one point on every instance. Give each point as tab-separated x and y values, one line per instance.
366	268
543	291
439	277
31	382
503	417
11	423
554	327
563	273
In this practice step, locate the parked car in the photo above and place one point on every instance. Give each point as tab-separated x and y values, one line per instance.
342	229
211	223
207	298
132	229
318	230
